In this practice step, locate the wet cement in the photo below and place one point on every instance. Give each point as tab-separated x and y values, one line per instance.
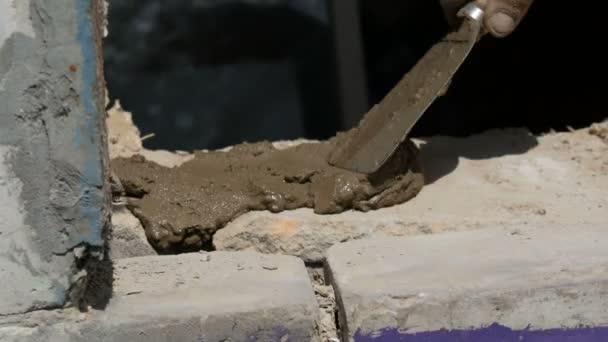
182	207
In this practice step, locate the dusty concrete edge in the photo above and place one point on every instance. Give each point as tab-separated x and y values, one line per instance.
501	331
569	296
295	317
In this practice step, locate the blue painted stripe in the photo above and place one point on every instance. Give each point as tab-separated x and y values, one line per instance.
87	137
492	333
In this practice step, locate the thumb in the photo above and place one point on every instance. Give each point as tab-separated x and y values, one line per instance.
503	16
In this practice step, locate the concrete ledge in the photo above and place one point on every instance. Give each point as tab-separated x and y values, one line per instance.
195	297
496	282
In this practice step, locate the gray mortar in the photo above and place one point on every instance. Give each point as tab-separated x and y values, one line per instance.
52	150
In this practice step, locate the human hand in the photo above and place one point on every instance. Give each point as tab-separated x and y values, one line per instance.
501	16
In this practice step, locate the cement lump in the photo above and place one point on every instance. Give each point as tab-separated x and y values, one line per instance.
182	207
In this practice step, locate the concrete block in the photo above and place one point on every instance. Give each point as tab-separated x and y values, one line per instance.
128	238
501	178
490	285
206	297
42	325
53	191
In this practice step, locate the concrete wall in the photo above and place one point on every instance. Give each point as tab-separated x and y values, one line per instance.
53	208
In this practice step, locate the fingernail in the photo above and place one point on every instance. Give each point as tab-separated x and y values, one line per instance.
501	23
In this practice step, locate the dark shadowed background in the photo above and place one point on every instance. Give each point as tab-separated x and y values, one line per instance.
207	74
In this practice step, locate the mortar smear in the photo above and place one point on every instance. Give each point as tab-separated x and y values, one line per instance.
182	207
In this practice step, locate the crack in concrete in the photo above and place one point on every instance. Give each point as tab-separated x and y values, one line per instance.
48	308
327	326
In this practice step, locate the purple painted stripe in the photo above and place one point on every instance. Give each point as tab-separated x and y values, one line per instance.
492	333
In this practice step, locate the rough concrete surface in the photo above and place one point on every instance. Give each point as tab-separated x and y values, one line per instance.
540	279
499	178
600	130
128	238
52	153
208	297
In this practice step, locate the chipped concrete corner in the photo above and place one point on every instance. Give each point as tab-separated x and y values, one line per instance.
53	192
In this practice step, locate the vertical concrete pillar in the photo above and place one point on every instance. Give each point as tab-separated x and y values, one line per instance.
53	193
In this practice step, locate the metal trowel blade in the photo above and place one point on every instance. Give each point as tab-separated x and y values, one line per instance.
388	123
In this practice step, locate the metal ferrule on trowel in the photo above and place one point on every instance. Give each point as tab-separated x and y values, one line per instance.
388	123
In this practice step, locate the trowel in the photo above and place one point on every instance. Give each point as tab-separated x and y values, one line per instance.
388	123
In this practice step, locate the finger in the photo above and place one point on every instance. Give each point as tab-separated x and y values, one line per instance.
503	16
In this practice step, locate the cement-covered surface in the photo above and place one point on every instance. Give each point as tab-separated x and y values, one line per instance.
182	207
501	178
540	279
51	139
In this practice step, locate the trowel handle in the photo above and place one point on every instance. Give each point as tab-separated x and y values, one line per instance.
473	12
455	10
